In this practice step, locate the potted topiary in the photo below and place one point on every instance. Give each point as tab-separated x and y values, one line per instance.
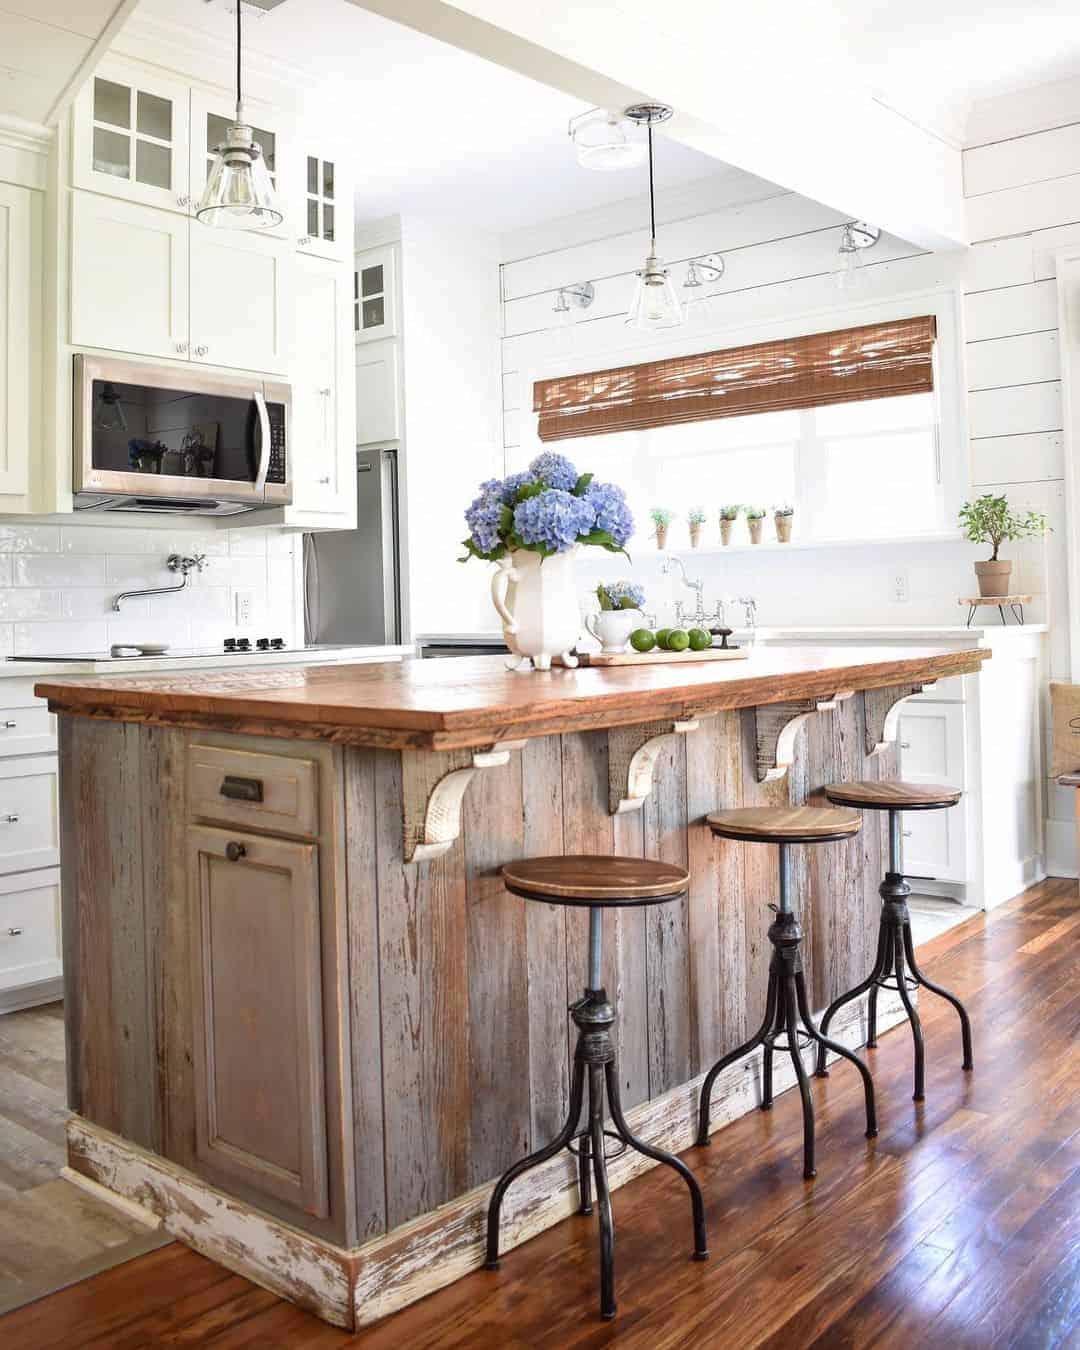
728	516
783	517
696	517
990	519
754	516
661	518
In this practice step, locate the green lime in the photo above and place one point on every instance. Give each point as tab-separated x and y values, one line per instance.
662	635
699	640
678	640
642	640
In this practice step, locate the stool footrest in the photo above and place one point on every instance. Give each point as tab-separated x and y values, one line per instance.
614	1145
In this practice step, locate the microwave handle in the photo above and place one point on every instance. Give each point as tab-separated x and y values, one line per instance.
264	445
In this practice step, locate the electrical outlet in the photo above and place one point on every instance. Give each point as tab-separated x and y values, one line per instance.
899	588
245	608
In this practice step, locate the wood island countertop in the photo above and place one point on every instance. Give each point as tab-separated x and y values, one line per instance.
474	701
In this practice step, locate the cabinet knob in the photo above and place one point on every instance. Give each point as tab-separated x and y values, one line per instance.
11	818
181	347
905	745
304	241
324	482
14	932
906	834
325	392
234	851
201	351
10	726
183	200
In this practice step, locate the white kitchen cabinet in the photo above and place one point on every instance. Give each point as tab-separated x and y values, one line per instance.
375	294
211	114
378	400
322	207
931	745
16	341
130	136
29	826
240	299
129	276
322	426
30	938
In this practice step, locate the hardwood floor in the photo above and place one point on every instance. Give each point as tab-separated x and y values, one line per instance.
959	1226
32	1097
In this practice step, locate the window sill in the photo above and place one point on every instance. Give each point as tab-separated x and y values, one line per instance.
774	546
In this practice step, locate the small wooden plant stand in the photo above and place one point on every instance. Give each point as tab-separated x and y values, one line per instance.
1015	602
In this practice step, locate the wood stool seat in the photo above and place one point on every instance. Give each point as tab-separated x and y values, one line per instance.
785	824
584	879
893	795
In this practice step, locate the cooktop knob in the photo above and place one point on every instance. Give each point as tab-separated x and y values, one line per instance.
278	644
263	644
230	644
243	644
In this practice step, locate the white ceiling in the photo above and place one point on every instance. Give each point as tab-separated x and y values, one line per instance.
42	45
434	128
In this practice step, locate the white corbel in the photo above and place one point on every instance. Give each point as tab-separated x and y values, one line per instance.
777	727
432	809
632	755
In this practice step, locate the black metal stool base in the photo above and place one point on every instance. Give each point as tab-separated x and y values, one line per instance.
895	961
786	1005
594	1059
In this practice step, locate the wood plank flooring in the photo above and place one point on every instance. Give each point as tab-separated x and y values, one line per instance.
32	1097
958	1227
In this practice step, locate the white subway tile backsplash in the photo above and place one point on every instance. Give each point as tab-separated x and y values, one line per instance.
247	542
47	569
106	539
57	639
32	603
96	602
29	538
173	630
135	571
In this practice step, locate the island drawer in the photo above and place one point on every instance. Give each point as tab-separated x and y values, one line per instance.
29	928
276	793
27	730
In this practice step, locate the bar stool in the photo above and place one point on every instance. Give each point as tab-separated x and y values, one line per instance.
786	1001
595	883
895	946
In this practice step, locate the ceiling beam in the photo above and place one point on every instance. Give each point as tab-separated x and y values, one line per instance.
763	111
104	40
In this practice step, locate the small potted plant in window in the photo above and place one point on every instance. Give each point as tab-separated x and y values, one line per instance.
991	520
754	516
620	613
661	518
728	516
696	517
783	517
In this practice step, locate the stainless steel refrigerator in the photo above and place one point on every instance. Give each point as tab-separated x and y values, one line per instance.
351	577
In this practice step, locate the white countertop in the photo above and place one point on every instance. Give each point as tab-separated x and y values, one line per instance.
151	664
981	633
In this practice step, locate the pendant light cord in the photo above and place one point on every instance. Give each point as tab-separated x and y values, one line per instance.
239	96
652	195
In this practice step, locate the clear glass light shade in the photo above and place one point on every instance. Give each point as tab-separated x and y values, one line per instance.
656	301
850	271
607	142
239	193
108	411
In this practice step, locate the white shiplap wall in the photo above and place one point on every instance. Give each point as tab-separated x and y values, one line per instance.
1024	203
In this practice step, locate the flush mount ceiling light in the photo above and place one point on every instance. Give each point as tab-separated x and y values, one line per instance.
656	303
855	238
606	140
238	193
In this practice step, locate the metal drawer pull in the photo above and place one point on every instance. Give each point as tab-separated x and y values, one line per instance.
234	851
242	789
906	834
14	932
11	819
10	726
905	745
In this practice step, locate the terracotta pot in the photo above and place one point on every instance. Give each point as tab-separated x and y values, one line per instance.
753	524
661	536
695	535
783	528
993	577
725	530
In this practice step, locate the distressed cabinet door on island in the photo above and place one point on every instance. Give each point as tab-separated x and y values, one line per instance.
257	985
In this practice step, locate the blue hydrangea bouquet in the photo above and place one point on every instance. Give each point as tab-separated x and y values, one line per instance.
548	509
531	525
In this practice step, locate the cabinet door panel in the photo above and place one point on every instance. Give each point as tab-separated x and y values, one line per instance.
323	205
257	983
322	424
16	271
240	299
129	277
377	404
29	815
130	136
932	751
29	929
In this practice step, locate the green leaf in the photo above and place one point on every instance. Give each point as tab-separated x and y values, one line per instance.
582	483
528	490
506	520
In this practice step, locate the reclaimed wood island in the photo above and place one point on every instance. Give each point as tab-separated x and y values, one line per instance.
306	1024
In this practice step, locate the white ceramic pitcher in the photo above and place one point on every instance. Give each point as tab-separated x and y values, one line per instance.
536	599
612	628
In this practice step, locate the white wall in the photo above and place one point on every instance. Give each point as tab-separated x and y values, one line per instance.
1023	200
450	343
57	583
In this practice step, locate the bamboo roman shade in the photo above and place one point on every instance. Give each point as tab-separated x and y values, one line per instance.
878	360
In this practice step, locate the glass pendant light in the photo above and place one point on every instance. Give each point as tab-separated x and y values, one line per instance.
606	141
108	410
656	301
239	193
697	298
854	239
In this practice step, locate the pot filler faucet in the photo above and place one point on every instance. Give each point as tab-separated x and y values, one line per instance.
175	563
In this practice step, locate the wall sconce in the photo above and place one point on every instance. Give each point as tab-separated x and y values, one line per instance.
855	237
579	296
700	274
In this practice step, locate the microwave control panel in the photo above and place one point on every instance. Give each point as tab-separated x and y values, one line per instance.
276	471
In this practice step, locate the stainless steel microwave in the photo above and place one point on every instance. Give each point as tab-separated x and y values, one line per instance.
178	440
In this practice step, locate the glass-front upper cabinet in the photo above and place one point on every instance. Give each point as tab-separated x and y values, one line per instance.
374	294
130	136
211	115
324	208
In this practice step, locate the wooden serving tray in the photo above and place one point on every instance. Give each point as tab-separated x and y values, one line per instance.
659	657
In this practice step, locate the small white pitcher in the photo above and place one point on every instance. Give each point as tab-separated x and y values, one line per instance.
612	628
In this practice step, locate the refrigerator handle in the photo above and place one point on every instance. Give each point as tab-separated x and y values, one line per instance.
311	589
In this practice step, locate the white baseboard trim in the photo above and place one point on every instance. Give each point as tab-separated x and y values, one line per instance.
31	995
355	1287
